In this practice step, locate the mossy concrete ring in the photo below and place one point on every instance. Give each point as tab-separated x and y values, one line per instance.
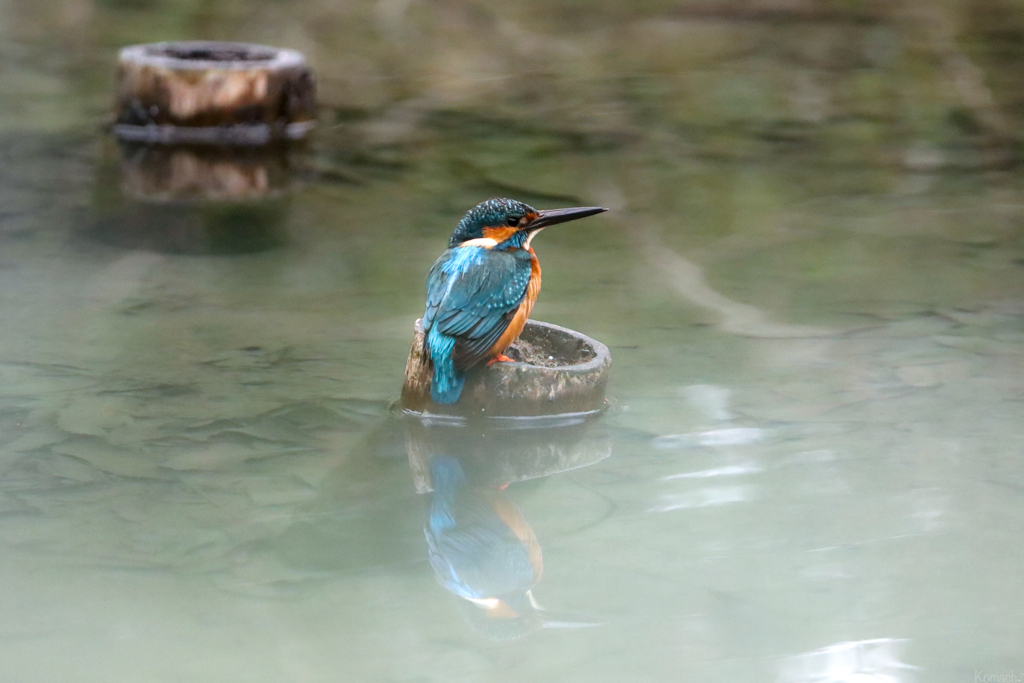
213	93
557	371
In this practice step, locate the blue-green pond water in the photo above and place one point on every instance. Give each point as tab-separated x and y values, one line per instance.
812	467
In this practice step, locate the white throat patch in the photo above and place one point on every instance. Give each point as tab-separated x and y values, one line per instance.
529	238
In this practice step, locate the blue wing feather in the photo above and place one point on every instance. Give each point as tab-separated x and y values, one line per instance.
472	295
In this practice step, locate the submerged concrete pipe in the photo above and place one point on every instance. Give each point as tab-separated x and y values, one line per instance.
213	93
558	371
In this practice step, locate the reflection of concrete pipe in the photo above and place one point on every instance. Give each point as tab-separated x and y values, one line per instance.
187	173
495	451
192	199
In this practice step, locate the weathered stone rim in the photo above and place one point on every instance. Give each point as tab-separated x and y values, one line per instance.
601	353
177	55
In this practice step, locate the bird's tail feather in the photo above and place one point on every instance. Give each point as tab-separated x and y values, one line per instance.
446	382
447	392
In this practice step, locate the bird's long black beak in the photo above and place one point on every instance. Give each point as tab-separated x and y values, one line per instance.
555	216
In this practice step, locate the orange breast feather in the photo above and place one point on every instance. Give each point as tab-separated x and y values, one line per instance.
523	312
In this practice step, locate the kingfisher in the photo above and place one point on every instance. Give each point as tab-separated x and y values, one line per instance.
481	290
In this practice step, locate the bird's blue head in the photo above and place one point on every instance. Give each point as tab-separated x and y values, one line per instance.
505	223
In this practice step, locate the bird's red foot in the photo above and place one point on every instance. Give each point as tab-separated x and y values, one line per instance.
502	358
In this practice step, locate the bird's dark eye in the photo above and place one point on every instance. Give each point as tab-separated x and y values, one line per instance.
512	221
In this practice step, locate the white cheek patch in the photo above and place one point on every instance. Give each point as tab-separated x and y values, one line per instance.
485	242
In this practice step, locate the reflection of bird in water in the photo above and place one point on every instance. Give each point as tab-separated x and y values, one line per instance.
481	547
482	288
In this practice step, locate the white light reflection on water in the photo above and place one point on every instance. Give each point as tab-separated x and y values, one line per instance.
704	498
725	471
861	661
731	436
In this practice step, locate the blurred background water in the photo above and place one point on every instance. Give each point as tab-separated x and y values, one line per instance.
811	281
